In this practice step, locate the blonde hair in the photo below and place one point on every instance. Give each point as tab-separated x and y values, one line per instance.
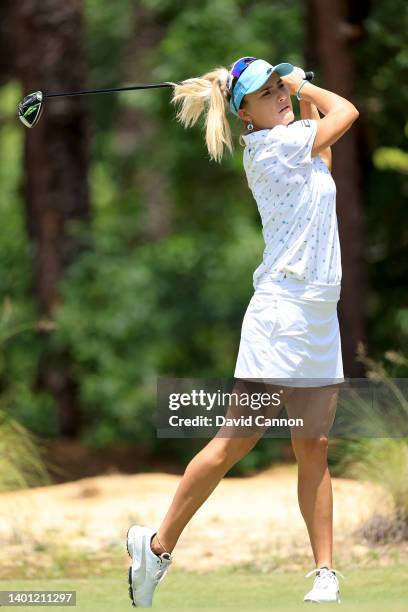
208	94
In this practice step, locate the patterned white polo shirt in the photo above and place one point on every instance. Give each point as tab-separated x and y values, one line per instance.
296	199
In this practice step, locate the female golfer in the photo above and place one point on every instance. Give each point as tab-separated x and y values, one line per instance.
290	340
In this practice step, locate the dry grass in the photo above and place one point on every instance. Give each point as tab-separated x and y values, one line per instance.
58	530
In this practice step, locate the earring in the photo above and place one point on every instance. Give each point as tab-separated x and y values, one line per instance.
250	126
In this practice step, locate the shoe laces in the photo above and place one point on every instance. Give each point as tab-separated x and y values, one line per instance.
325	577
163	561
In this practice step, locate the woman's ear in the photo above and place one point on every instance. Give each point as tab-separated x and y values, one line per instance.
243	115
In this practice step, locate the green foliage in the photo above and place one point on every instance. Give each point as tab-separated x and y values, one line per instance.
266	452
20	344
381	93
171	308
383	460
388	158
21	463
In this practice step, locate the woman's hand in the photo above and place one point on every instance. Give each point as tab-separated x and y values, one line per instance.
294	80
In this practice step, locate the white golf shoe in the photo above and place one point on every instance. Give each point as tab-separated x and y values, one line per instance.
147	569
325	586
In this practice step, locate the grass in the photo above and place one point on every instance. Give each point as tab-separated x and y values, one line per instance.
380	455
366	589
21	463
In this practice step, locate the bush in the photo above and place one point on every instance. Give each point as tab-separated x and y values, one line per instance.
383	460
21	464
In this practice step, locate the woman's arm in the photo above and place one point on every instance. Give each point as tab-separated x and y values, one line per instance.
309	111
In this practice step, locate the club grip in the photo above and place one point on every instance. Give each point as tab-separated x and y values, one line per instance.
309	75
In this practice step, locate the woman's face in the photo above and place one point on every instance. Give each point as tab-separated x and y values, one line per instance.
263	108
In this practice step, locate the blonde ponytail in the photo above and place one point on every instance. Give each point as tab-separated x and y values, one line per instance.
208	94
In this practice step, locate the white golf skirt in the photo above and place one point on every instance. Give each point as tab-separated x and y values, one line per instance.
290	333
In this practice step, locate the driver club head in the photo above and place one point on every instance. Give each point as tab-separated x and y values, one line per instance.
30	108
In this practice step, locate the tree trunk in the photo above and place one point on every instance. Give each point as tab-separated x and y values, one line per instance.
135	126
49	56
7	65
329	37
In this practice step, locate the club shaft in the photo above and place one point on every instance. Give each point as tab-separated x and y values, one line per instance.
309	77
107	90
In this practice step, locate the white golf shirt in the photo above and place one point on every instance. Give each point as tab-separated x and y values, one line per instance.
296	199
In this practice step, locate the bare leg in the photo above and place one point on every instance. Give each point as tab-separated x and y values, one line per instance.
200	478
203	474
314	482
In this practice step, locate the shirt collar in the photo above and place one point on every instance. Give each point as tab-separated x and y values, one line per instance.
254	136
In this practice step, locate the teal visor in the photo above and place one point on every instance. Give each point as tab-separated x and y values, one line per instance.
253	77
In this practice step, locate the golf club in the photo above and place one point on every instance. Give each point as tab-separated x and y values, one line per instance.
30	108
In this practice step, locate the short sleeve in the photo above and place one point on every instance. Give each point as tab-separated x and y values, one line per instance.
295	142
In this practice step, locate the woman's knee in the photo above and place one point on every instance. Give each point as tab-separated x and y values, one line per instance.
311	449
232	449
